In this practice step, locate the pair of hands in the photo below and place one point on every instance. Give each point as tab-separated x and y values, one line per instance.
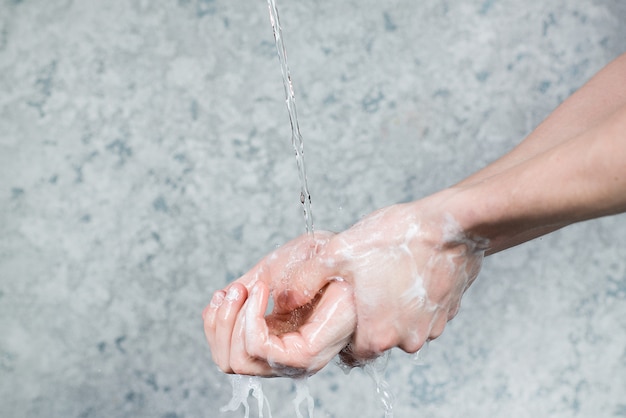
394	279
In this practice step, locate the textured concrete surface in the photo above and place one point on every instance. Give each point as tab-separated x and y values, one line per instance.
145	161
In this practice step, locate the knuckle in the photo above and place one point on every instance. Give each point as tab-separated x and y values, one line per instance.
238	366
225	368
411	346
254	349
437	330
302	361
384	341
308	357
237	370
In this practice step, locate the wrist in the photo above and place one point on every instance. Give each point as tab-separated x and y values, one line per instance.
493	216
455	214
490	216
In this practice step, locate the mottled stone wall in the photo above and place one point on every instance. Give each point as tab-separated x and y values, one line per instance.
145	161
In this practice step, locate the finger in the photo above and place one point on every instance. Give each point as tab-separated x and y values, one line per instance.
241	362
256	329
259	343
226	316
302	271
310	348
372	338
209	313
412	341
302	284
437	325
331	325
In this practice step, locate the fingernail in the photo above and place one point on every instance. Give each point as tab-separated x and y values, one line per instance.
233	294
217	299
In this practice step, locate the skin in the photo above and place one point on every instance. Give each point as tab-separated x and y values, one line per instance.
588	107
295	342
395	278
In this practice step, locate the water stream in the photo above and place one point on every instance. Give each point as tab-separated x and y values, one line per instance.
376	371
290	99
244	386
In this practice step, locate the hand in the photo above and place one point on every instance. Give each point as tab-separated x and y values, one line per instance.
396	277
299	342
408	265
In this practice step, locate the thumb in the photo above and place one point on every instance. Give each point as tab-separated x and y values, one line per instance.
301	285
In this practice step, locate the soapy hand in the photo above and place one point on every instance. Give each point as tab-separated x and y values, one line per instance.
394	279
408	267
297	342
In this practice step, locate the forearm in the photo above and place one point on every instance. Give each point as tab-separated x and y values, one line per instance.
598	98
580	178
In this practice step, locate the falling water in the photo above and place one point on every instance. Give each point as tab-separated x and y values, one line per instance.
376	370
290	99
246	386
303	395
243	386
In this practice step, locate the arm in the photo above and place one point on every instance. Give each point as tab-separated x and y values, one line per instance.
577	179
588	106
407	266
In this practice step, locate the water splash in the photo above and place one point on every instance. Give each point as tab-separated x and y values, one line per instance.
290	99
303	394
246	386
242	387
376	370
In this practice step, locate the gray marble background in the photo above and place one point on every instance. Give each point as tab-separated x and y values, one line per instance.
145	161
